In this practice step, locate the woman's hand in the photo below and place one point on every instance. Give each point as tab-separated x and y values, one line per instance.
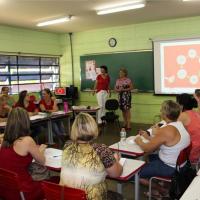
42	148
117	156
138	140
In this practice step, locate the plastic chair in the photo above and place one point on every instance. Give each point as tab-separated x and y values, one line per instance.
181	160
9	186
54	191
112	106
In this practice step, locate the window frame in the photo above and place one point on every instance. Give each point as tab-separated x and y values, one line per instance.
40	73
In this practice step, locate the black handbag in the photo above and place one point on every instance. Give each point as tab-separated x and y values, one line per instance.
181	180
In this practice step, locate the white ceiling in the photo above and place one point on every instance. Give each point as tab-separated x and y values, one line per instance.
27	13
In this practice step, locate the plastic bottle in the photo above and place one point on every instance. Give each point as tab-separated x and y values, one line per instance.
123	136
66	107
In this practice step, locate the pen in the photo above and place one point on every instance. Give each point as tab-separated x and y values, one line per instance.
56	156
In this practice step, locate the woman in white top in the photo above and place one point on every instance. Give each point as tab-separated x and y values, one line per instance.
170	139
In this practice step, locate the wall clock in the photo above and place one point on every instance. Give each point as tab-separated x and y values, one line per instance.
112	42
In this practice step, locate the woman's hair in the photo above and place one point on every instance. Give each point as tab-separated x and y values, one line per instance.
186	101
4	88
104	67
22	96
48	91
84	128
18	125
124	71
171	110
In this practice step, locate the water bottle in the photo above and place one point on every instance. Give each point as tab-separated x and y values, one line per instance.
66	107
123	136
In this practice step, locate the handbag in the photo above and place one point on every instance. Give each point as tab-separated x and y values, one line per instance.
181	180
38	172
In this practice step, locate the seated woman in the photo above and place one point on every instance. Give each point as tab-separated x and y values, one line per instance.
18	150
10	101
24	102
191	120
4	109
170	139
85	164
48	104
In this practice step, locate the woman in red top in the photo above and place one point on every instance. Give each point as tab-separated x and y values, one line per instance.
17	152
191	120
24	102
48	104
102	88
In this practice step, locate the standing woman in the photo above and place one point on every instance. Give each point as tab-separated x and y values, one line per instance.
102	89
24	102
124	86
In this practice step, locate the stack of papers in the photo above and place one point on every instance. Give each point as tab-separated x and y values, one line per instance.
122	161
53	157
131	140
35	117
60	112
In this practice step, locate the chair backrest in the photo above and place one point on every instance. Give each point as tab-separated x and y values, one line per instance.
9	186
184	155
112	104
54	191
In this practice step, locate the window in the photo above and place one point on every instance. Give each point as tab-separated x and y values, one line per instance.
29	73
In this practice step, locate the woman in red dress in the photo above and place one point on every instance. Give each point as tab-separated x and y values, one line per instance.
17	152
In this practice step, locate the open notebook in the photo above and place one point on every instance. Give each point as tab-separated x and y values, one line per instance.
53	157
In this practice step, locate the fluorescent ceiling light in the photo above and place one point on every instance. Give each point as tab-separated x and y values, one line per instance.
54	21
120	8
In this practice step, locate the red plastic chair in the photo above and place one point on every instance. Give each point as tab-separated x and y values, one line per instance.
181	160
57	192
9	186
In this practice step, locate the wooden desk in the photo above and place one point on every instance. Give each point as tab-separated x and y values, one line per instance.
192	192
131	168
92	109
130	149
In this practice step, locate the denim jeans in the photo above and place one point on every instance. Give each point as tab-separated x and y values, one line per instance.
156	167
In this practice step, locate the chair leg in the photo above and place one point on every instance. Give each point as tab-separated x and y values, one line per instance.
118	124
22	196
150	187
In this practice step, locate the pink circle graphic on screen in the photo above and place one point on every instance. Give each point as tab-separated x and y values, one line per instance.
183	62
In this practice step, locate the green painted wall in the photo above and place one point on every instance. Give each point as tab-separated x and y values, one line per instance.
130	37
29	41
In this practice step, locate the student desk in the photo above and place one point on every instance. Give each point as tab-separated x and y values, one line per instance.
131	168
192	192
42	118
131	149
90	110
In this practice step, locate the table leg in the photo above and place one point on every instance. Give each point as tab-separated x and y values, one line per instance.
68	125
137	186
50	132
119	188
97	117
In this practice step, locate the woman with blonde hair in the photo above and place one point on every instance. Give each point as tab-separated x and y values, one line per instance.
124	86
85	164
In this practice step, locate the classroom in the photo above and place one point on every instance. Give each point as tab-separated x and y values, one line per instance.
35	56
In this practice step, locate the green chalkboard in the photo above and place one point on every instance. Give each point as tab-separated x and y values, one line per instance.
138	64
